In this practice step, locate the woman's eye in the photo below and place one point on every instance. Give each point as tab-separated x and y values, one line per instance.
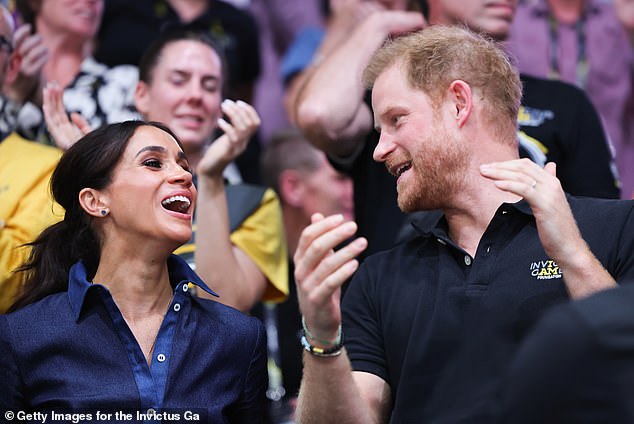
152	163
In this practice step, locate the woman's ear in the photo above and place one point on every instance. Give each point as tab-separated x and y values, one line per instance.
142	98
93	202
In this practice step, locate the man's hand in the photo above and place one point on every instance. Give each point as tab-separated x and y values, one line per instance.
542	190
320	271
243	123
556	225
65	132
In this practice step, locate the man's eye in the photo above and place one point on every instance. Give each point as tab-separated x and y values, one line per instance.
152	163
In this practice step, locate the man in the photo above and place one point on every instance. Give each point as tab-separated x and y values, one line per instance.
26	206
333	114
431	324
306	184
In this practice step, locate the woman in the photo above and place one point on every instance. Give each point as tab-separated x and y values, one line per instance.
107	319
238	247
68	30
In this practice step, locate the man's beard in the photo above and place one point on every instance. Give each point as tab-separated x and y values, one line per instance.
438	170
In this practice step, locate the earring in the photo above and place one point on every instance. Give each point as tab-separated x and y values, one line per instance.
104	212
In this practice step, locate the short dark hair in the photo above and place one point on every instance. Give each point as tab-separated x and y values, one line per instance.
288	149
152	55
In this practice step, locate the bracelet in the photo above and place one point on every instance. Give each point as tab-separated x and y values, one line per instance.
317	351
308	334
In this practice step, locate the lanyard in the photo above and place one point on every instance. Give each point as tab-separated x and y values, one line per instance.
582	59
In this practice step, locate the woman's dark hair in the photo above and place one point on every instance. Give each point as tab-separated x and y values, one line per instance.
89	163
152	55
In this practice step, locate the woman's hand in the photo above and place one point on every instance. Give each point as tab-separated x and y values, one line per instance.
64	131
243	122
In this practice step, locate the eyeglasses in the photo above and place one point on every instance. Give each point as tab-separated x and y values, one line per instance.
6	44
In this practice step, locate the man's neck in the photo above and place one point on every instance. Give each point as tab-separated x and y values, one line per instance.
294	224
188	10
469	214
566	11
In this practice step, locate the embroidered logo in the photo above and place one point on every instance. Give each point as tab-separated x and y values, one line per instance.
545	270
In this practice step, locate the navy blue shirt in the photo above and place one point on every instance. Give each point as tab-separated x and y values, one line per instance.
440	326
74	351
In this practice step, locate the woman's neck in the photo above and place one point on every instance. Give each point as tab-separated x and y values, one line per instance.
139	285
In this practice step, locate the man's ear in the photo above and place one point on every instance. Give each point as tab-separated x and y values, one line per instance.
292	187
461	99
142	97
94	202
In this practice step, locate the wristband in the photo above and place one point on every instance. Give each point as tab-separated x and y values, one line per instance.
309	335
318	351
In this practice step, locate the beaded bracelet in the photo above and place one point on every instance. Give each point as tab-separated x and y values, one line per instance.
315	339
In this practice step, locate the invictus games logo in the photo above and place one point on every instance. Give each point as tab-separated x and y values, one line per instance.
545	270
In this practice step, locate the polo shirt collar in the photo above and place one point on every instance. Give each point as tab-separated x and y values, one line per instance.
440	227
79	286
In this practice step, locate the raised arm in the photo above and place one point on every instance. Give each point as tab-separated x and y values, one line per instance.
556	225
330	107
344	18
224	266
330	391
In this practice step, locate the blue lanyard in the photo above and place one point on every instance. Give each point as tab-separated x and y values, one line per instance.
583	66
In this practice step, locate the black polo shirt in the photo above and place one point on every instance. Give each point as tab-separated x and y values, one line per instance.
440	326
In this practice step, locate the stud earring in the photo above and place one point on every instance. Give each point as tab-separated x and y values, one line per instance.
104	212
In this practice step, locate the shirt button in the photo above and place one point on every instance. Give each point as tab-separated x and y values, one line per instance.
160	357
185	287
467	260
488	249
177	307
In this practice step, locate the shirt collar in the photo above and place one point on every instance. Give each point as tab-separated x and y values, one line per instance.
437	226
78	284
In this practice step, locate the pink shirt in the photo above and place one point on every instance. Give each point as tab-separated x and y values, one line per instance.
540	46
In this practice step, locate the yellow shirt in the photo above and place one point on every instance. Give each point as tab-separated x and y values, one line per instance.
26	206
261	236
